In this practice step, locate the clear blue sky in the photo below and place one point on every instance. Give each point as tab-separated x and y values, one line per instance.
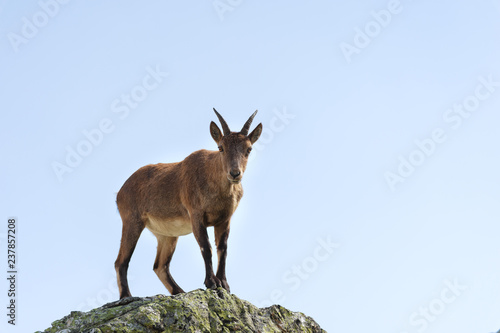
371	200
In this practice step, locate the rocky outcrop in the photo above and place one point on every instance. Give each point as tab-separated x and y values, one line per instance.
196	311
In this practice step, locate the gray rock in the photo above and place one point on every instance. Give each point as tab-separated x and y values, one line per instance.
196	311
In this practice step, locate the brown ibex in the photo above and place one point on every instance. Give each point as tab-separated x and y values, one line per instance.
175	199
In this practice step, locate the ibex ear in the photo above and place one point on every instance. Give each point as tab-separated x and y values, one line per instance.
215	132
255	133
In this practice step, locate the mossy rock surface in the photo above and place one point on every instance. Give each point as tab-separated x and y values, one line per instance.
196	311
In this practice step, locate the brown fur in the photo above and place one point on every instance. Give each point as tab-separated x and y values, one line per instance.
174	199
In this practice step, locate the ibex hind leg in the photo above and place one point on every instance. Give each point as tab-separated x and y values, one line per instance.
165	251
131	231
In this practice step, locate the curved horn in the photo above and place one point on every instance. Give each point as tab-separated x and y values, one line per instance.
225	128
246	127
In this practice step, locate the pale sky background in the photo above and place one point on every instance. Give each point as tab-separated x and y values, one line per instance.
422	256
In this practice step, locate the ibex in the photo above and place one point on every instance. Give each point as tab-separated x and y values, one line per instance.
175	199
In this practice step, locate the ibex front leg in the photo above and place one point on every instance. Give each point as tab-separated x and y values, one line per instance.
200	233
221	235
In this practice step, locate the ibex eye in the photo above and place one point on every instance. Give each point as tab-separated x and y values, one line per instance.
249	150
221	149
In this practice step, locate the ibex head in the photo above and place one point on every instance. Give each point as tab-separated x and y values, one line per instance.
234	147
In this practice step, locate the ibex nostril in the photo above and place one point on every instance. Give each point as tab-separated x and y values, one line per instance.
235	174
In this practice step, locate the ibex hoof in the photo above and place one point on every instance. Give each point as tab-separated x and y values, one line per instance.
212	282
177	291
122	301
226	286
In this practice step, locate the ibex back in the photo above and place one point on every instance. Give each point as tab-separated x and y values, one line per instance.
175	199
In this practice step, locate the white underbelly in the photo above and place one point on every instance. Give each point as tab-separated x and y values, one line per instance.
171	228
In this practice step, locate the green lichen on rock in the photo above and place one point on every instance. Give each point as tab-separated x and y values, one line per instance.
196	311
